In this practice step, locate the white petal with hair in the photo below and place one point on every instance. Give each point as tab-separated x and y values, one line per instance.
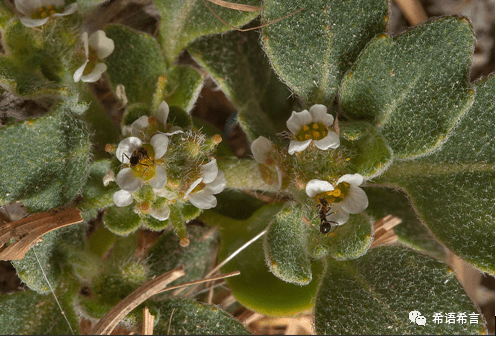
298	120
317	186
297	146
160	214
127	181
260	148
160	179
138	125
328	142
163	113
126	148
205	199
160	142
122	198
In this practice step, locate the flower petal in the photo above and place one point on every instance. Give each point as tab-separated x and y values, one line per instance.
260	147
127	181
25	7
203	199
122	198
138	125
209	171
163	113
355	179
193	186
28	22
218	184
297	146
95	74
337	214
160	178
316	186
356	201
328	142
101	44
159	142
298	120
160	214
69	9
163	192
320	115
126	148
79	72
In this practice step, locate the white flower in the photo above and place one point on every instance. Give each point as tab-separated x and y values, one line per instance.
345	198
262	149
142	122
312	126
212	182
123	198
100	47
141	158
37	12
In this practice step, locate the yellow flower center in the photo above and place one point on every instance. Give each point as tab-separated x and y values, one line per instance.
315	131
43	12
336	195
142	162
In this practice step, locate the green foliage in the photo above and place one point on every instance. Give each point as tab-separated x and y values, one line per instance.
121	221
414	86
45	160
183	86
411	232
167	254
257	288
184	21
135	63
284	246
452	189
95	193
29	313
371	155
188	317
311	50
237	63
375	294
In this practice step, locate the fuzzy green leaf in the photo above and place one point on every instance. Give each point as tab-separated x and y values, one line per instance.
311	50
348	241
411	232
188	317
29	313
96	194
167	254
257	288
185	20
374	295
183	86
371	153
45	160
452	189
284	246
121	220
414	86
135	63
237	63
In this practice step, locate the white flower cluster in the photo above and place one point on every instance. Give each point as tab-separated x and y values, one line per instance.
96	47
143	165
313	126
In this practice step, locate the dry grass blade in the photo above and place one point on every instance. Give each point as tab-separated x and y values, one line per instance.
383	231
148	319
27	231
182	285
241	7
413	11
130	302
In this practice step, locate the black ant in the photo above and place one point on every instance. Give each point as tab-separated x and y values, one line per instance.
325	225
137	156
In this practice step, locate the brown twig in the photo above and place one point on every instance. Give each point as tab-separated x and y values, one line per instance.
413	11
383	231
241	7
148	319
29	230
220	277
130	302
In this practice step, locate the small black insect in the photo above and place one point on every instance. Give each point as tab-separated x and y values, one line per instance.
325	225
137	156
